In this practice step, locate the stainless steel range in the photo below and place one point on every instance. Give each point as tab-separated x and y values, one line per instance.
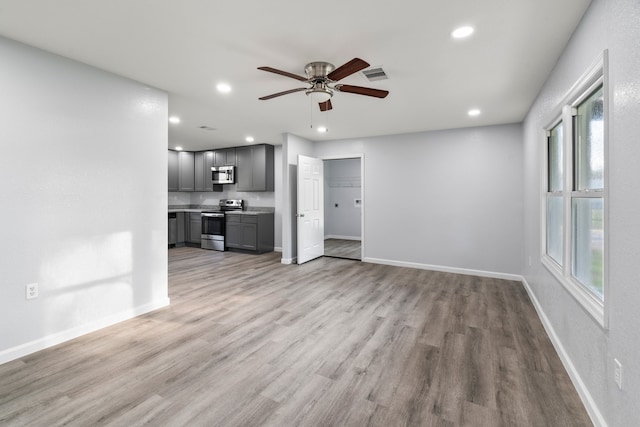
213	224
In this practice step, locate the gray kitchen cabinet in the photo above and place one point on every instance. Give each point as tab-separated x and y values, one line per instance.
202	170
255	168
173	170
225	157
180	228
186	171
250	232
194	227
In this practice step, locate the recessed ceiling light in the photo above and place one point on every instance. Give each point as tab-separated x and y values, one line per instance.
474	112
322	129
223	88
462	32
178	148
249	139
174	119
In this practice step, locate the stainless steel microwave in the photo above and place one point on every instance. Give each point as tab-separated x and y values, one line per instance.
223	175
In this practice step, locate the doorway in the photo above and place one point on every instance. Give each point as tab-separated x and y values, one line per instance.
343	208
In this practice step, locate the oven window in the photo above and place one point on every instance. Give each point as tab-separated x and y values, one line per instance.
213	225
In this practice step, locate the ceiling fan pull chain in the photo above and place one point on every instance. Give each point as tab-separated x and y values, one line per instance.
326	112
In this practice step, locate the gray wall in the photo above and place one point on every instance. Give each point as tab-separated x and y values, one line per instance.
84	173
588	349
458	196
342	186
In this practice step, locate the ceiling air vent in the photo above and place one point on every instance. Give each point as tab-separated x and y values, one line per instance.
205	127
373	74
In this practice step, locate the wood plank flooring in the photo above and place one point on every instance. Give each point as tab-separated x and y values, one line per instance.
342	248
248	341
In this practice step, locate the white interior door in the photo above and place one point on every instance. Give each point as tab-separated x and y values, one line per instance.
310	208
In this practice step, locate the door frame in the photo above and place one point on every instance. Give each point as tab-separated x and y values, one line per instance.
362	198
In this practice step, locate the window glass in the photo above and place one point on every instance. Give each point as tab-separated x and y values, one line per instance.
555	158
588	243
554	228
589	133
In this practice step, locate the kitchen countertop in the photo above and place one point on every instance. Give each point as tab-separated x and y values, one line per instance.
250	211
187	210
247	212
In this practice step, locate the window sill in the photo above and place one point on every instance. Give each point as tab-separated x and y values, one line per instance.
593	306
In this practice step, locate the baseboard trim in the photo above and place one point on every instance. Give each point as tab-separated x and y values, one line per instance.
277	249
466	271
335	236
69	334
590	405
288	260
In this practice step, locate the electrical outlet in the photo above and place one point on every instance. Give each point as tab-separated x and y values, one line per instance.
31	290
617	375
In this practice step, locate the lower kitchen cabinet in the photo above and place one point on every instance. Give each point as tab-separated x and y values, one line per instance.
194	227
180	225
250	232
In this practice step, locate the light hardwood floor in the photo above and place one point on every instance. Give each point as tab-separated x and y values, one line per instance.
341	248
248	341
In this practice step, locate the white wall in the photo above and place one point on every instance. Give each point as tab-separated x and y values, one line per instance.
588	349
446	200
179	198
252	199
84	173
342	186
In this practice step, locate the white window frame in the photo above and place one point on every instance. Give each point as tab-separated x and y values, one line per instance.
596	75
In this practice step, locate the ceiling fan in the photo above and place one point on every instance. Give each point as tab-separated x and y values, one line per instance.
322	77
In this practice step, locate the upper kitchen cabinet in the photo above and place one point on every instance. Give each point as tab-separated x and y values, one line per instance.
173	170
225	157
255	168
203	163
186	171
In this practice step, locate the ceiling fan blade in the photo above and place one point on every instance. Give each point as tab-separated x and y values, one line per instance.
353	66
326	105
286	92
377	93
283	73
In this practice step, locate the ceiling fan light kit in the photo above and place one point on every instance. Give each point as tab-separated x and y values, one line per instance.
322	77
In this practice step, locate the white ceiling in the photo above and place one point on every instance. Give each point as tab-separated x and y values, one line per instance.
186	47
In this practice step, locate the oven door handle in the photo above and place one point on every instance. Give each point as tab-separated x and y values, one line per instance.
213	215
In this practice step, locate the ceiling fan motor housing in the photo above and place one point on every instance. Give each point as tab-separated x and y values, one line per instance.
318	70
317	75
